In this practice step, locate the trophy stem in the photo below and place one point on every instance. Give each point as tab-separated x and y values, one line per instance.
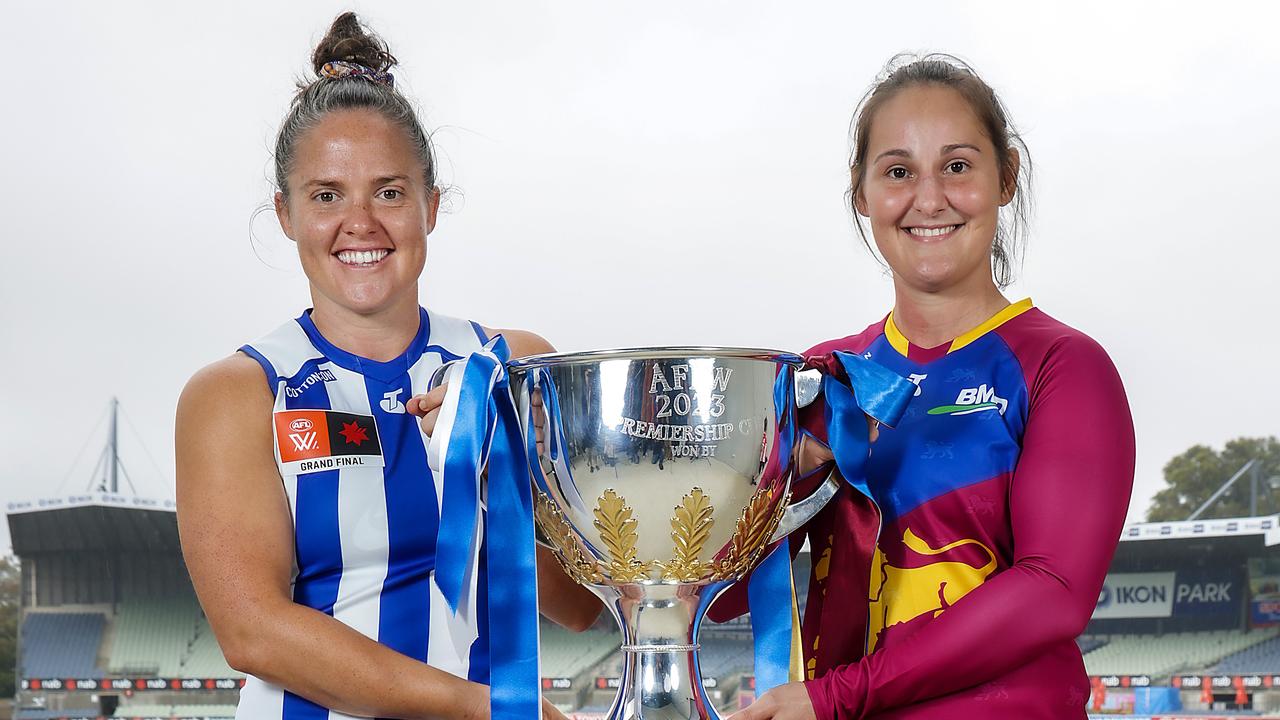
660	677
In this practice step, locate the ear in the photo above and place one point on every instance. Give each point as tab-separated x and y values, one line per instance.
282	214
433	207
859	200
1009	177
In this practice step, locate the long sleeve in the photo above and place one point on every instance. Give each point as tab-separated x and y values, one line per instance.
1067	502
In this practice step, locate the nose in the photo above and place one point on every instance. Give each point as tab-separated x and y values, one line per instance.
359	220
931	198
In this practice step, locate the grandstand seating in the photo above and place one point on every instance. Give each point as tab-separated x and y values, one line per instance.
169	638
566	654
1261	658
210	711
203	658
1158	655
1089	643
174	711
723	656
61	645
151	636
47	714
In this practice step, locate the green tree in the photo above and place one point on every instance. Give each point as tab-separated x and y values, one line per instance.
10	606
1197	473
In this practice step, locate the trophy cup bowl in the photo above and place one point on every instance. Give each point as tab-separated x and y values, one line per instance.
662	477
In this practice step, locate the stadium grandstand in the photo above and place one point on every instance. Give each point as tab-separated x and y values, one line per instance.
109	623
1188	624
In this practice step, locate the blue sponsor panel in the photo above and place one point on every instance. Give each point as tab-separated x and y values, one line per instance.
1209	592
1264	611
1181	601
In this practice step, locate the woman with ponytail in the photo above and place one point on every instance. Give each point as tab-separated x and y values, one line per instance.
309	515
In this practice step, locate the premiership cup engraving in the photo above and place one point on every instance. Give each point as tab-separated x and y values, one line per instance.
660	480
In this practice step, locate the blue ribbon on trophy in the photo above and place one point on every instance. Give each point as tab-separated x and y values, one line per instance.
478	429
868	389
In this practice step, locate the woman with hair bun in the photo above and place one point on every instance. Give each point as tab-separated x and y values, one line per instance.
308	513
954	582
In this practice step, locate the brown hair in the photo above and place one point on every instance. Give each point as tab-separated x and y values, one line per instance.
905	71
349	41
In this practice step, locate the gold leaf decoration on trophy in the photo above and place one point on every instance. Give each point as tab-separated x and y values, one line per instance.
690	529
750	537
618	533
579	566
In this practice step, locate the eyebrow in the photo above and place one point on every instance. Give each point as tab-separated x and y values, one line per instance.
322	182
333	183
946	149
896	152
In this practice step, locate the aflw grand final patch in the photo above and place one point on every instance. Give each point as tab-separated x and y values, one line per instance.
315	440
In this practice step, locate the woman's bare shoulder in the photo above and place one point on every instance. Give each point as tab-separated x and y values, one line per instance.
522	343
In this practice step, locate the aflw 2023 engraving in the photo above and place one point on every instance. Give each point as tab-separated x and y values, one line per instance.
673	400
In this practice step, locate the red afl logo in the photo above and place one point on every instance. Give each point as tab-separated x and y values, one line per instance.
301	425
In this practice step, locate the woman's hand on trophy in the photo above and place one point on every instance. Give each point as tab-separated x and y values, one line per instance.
539	420
427	407
813	453
785	702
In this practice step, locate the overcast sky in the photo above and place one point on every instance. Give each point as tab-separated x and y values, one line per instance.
625	175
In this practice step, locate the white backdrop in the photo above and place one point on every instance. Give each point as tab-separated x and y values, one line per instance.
656	173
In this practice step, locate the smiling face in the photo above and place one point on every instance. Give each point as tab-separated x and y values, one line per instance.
932	189
360	211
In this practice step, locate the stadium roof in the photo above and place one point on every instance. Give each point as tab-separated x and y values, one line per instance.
1267	526
1226	541
103	522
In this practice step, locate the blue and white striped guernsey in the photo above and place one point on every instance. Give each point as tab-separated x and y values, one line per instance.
365	526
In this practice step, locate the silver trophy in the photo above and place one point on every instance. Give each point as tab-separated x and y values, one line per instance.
663	477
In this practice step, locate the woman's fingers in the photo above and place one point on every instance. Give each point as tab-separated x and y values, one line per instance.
420	405
427	407
813	454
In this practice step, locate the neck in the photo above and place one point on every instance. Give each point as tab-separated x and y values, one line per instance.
380	336
929	319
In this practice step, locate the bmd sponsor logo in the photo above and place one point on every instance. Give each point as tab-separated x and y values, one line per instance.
972	400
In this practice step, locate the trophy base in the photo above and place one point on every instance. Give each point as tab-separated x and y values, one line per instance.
660	677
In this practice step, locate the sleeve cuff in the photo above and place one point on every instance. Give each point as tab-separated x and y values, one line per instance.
824	708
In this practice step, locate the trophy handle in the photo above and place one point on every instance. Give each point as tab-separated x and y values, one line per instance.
808	384
437	377
801	512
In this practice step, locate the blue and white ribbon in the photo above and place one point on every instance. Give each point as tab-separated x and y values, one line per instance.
477	430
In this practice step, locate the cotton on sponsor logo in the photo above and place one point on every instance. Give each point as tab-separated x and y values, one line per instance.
312	379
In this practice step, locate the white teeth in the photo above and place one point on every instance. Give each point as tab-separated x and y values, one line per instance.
362	257
931	232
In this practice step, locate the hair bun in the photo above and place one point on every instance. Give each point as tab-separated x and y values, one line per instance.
349	41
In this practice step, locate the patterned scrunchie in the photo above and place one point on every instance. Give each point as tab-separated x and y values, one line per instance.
342	68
